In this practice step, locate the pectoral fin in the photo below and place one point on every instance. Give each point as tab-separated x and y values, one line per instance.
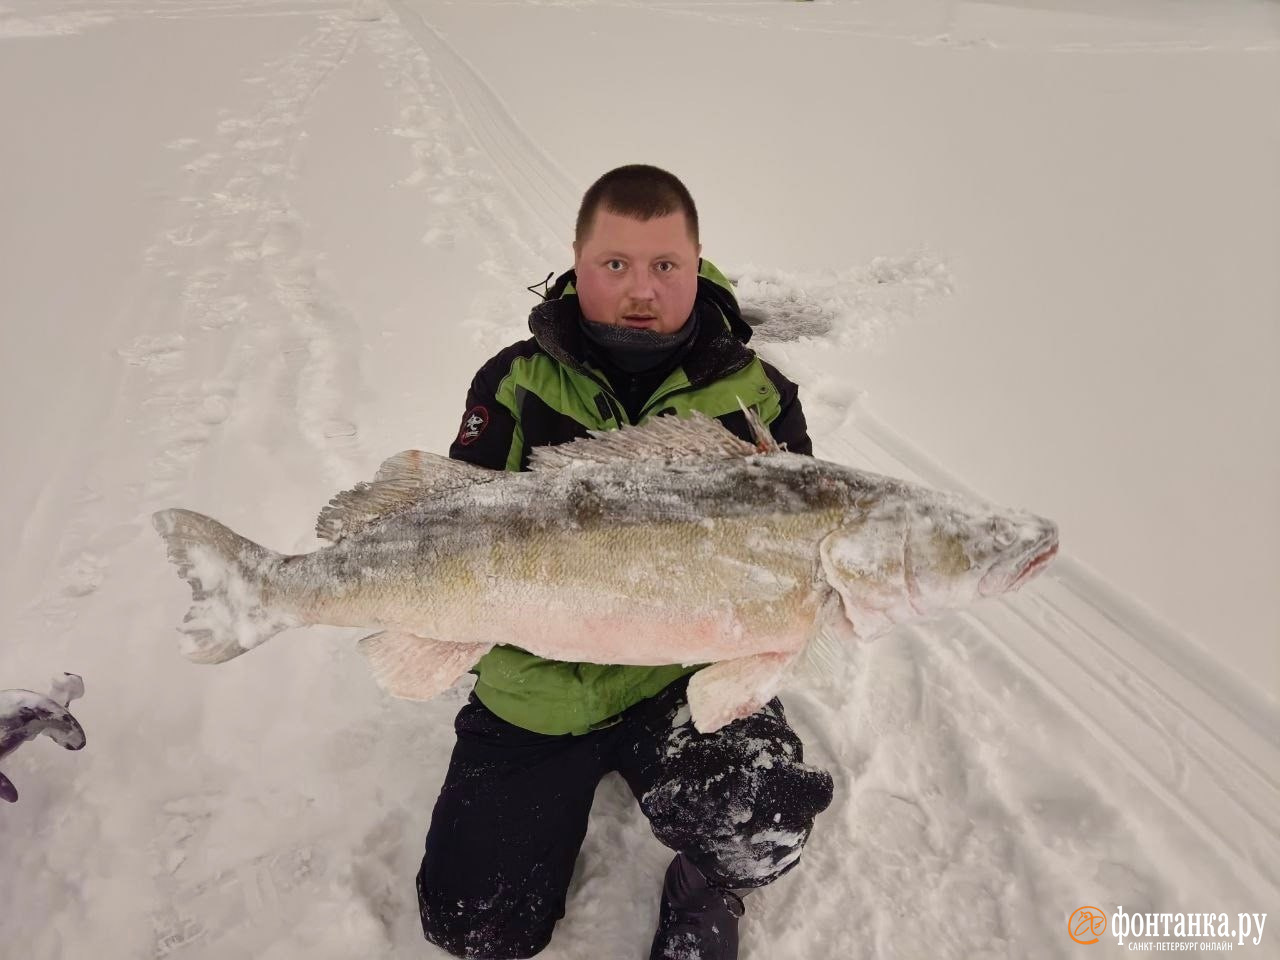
8	792
417	668
732	689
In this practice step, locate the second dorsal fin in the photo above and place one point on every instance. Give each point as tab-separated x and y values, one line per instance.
407	478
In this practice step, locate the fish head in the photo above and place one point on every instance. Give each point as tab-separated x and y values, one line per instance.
910	552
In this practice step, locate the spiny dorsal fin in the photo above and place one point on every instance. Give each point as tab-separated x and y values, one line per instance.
407	478
697	437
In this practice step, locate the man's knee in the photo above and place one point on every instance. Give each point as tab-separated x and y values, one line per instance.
748	858
511	922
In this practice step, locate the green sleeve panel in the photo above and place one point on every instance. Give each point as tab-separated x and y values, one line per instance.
568	392
506	395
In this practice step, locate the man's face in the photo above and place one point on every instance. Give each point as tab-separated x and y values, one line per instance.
638	273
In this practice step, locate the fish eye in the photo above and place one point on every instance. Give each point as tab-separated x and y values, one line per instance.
1003	532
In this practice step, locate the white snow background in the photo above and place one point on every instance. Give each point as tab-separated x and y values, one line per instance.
249	249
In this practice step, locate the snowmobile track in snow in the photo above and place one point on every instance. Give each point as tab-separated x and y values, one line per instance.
1206	745
533	177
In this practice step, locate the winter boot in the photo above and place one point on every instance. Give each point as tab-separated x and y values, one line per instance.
697	921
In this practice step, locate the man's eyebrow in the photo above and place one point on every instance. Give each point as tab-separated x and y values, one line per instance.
611	254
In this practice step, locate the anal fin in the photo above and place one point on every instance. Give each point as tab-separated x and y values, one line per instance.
418	668
732	689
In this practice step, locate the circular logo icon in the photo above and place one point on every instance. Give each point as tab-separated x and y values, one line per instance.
1087	924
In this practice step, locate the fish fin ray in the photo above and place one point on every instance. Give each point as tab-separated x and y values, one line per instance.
405	479
226	573
666	438
417	668
824	658
432	472
765	443
732	689
363	505
827	652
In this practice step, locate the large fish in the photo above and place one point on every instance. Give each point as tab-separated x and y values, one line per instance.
672	542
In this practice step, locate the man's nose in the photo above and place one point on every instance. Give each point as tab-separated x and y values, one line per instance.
641	286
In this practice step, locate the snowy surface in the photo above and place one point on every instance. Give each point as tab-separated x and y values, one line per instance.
249	249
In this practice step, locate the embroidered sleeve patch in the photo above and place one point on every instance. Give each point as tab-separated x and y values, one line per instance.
473	423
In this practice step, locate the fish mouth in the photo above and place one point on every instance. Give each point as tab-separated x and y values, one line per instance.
1002	579
1036	564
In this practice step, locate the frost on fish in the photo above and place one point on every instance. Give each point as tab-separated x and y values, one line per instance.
673	542
230	581
24	715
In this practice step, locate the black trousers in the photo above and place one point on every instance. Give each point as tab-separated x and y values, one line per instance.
512	813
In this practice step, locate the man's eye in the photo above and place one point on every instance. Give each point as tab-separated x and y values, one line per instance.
665	266
614	265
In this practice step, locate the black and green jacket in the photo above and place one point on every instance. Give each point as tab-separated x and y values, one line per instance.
550	389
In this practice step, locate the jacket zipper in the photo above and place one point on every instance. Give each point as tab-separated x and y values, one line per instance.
615	405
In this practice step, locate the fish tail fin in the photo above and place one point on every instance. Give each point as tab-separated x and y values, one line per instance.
227	574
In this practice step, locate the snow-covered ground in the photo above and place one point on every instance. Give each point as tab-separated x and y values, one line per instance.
248	249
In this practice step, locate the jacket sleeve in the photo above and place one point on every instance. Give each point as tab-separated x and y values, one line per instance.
789	426
488	428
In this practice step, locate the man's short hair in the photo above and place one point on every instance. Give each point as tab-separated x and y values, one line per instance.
638	191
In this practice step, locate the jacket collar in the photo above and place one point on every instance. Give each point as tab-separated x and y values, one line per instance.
716	351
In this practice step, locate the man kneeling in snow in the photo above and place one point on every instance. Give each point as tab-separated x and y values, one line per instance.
640	327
